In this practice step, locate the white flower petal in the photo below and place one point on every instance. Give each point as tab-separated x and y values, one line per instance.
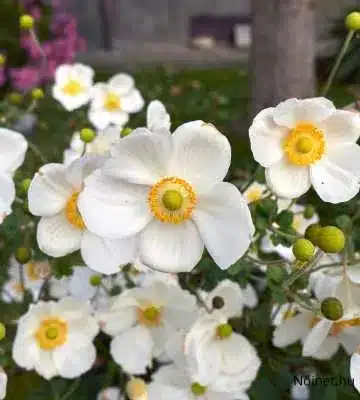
342	127
157	118
201	155
56	237
7	195
110	393
79	283
329	347
49	190
3	384
332	183
121	83
45	365
13	149
292	111
107	255
316	338
113	209
232	295
80	169
140	158
133	359
132	102
347	157
75	357
119	118
266	138
292	329
224	221
355	370
171	247
353	272
250	296
288	180
99	117
25	352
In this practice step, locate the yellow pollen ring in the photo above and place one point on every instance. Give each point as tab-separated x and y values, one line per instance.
72	88
305	144
172	200
52	333
149	316
72	213
112	102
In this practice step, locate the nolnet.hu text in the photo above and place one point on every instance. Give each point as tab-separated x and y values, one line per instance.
323	381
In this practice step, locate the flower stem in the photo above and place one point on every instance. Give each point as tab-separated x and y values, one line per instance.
37	152
338	61
71	390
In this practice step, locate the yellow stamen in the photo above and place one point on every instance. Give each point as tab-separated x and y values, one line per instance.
254	194
305	144
73	88
150	316
72	213
112	102
52	333
172	200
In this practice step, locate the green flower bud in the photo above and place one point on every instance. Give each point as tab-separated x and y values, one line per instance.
23	255
95	280
332	308
2	60
218	302
15	98
125	131
311	233
352	21
197	389
26	21
37	94
2	331
303	250
309	211
25	184
331	239
87	135
224	331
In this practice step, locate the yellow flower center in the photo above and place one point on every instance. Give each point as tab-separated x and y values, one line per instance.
305	144
288	314
73	88
136	389
197	389
172	200
150	316
339	326
72	213
52	333
224	331
112	102
253	194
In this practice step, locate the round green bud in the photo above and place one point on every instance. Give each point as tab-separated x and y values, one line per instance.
312	232
197	389
303	250
25	184
331	239
352	21
125	131
87	135
332	308
224	331
218	302
309	212
2	60
37	94
95	280
2	331
23	255
301	283
15	98
26	21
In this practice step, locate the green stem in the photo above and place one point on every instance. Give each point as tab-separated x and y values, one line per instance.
251	179
71	390
338	61
290	236
37	152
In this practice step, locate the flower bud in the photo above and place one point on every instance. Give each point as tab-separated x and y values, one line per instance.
26	21
23	255
25	184
309	211
125	131
95	280
2	331
303	250
352	21
218	302
37	94
332	308
15	98
224	331
311	233
197	389
87	135
136	389
2	60
331	239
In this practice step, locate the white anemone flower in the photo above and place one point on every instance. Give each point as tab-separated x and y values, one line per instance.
3	384
56	339
73	83
355	369
53	195
304	143
110	393
142	320
157	118
13	147
178	384
168	191
214	350
112	102
255	192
